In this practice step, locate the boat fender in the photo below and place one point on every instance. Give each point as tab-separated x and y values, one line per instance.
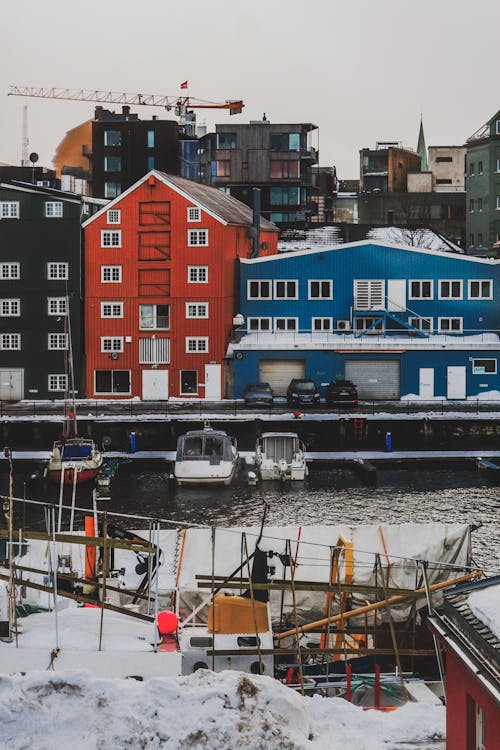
291	676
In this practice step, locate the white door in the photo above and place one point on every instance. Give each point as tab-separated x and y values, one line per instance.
11	385
213	391
154	385
396	295
456	382
426	382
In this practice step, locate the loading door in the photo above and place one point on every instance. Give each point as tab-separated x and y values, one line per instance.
378	380
279	372
11	385
154	385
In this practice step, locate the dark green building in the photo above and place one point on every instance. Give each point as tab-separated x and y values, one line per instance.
482	185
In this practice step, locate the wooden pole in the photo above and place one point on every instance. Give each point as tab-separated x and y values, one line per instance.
252	599
391	625
104	576
296	632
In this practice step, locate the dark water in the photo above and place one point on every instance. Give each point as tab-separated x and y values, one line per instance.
327	497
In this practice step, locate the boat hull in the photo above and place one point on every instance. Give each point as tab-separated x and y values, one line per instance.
83	475
191	472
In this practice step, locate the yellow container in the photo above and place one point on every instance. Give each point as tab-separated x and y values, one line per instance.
233	614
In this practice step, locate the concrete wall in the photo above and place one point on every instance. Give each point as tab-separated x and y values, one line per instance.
452	170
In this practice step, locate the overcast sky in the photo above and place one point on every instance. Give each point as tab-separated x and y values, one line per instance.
362	70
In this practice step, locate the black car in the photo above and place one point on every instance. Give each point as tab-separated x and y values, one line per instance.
302	393
258	394
341	391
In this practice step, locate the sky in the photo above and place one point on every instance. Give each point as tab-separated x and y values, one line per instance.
361	70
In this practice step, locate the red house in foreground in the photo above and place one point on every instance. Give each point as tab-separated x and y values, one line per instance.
160	281
472	665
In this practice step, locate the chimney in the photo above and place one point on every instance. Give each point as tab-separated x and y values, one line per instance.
125	109
256	223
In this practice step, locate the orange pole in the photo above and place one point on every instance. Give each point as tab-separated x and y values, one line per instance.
90	552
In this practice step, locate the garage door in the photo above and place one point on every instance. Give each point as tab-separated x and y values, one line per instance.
279	372
374	379
11	385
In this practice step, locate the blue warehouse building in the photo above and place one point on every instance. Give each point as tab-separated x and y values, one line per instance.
398	321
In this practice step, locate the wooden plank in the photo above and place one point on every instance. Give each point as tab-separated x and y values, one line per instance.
305	586
88	541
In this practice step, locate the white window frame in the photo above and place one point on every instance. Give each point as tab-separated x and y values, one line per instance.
14	340
259	282
193	213
451	281
319	281
285	281
416	322
59	306
57	383
106	165
450	317
155	326
113	216
199	340
10	271
57	342
115	145
111	238
322	328
9	210
288	320
154	350
259	322
498	127
480	718
114	393
110	344
480	281
420	282
10	308
498	165
498	203
57	271
53	209
196	270
197	238
111	271
368	320
196	310
483	359
111	309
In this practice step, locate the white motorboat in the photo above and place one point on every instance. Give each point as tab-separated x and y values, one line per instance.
206	457
281	455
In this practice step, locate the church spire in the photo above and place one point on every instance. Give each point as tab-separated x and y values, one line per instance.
422	148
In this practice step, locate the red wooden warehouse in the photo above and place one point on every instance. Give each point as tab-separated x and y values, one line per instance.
468	626
160	281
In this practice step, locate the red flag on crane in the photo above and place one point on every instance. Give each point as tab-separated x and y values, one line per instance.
184	84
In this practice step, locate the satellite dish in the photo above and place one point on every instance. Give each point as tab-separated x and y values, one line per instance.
33	157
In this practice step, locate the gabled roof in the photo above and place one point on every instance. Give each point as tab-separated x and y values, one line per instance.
484	130
215	202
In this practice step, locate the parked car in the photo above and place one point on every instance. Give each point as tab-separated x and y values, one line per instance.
302	393
258	394
341	391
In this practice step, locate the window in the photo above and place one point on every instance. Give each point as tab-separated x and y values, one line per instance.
155	317
479	238
112	138
471	205
450	325
10	341
112	189
197	344
285	141
481	289
259	289
322	324
472	238
9	209
111	309
223	168
197	275
480	167
420	289
285	290
58	341
53	209
363	324
258	324
151	138
443	159
285	196
193	213
422	324
286	324
284	169
444	182
111	343
112	381
196	309
498	127
484	367
197	237
498	202
154	213
451	289
58	383
57	306
57	271
479	204
154	351
10	308
111	237
322	289
114	216
10	270
498	165
189	382
112	163
471	169
150	163
111	274
226	140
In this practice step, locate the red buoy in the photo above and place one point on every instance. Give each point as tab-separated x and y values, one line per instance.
167	622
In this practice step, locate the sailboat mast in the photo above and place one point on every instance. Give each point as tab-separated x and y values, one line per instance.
71	364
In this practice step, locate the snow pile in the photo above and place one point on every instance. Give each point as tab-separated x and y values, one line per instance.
417	237
485	604
205	710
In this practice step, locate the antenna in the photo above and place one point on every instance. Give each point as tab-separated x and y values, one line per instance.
25	139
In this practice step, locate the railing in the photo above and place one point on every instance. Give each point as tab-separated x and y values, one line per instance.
400	335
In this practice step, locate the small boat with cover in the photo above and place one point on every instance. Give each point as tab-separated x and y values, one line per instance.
206	457
281	456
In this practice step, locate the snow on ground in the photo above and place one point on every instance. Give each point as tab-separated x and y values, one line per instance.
485	604
205	710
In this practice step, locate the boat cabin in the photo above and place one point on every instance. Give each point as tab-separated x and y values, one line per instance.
205	445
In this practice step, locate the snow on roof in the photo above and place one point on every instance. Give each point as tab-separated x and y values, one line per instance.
485	605
419	238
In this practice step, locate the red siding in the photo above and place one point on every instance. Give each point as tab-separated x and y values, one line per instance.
155	271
